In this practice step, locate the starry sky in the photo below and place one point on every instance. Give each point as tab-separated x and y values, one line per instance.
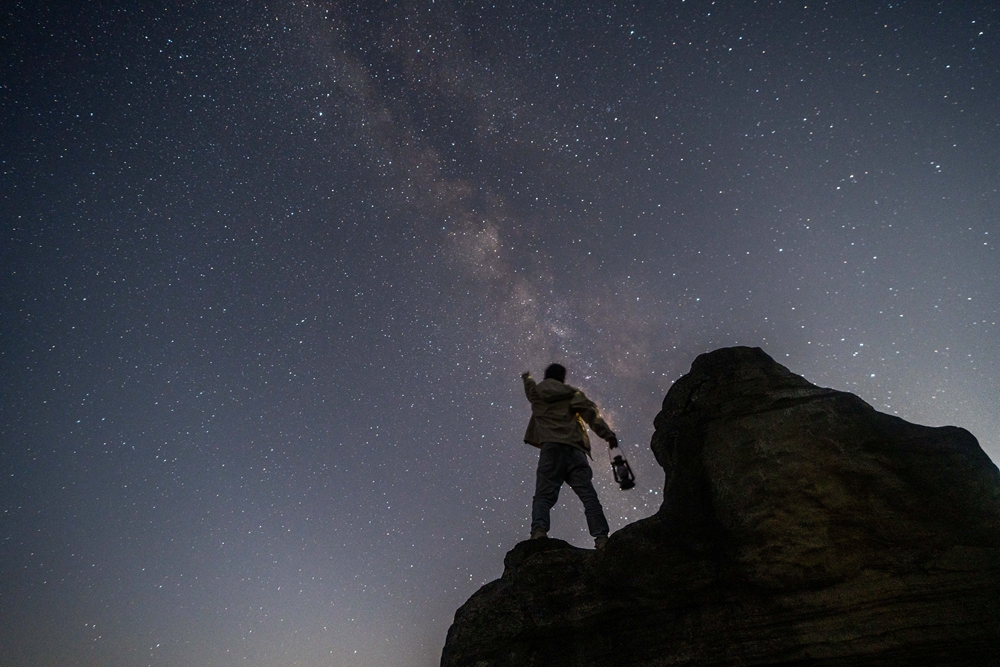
271	272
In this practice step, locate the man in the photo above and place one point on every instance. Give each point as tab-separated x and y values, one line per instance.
558	413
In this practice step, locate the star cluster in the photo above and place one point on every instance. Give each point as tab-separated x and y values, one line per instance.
271	274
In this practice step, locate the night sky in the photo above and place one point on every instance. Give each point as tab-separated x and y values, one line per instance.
271	273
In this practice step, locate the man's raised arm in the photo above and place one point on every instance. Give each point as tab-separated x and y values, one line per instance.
529	383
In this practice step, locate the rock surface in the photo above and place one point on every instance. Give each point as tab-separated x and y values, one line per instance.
799	527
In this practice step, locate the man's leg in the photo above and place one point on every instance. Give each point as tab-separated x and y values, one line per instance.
547	482
580	480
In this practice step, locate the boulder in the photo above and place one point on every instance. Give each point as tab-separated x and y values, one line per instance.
799	526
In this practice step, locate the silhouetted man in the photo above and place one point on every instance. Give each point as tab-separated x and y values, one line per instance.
557	427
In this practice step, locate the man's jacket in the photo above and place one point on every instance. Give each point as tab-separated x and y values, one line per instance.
558	413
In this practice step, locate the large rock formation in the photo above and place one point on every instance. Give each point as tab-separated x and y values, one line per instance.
799	527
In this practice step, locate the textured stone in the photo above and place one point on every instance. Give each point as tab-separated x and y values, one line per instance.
799	527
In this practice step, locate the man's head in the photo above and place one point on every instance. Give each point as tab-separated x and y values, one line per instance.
556	372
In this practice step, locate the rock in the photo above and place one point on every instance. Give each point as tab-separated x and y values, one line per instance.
799	527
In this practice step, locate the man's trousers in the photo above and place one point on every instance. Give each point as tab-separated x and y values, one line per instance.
558	463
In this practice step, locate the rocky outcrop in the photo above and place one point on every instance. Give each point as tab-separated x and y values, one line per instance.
799	527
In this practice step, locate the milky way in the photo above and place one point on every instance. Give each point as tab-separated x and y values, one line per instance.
271	274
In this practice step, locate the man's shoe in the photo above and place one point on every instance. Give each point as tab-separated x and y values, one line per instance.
600	542
539	533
